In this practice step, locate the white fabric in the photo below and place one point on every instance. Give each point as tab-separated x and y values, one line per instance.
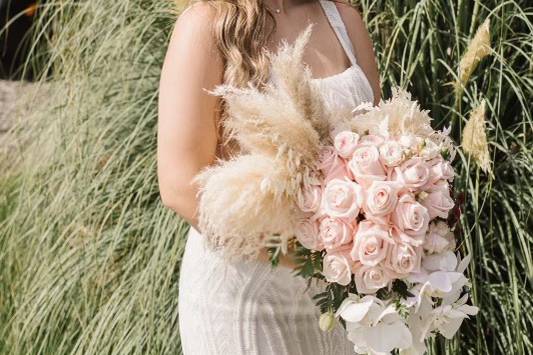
335	20
249	308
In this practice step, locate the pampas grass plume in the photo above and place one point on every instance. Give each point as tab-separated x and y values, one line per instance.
478	49
475	139
242	202
399	115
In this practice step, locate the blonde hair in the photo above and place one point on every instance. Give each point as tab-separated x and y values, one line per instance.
241	32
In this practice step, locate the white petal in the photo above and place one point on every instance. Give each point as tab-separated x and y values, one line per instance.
464	263
470	310
443	281
386	337
446	261
451	327
418	348
389	315
355	312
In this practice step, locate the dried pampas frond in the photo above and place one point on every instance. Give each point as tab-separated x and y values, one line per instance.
478	49
243	202
398	116
294	78
285	118
475	138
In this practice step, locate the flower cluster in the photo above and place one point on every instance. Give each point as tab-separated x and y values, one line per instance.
378	213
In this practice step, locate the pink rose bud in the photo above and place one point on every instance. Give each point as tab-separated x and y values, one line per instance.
410	216
438	201
365	165
334	232
380	200
342	199
309	198
403	259
369	279
414	173
440	169
391	153
345	143
307	234
331	164
371	243
337	268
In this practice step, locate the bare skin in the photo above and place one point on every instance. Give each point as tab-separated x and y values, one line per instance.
187	139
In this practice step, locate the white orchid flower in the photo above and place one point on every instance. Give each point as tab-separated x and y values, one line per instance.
441	275
447	318
374	326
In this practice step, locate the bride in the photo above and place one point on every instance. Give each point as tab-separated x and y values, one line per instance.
248	307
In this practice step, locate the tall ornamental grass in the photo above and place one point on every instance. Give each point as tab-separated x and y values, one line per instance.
89	259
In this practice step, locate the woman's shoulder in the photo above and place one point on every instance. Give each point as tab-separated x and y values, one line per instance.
350	15
197	16
194	29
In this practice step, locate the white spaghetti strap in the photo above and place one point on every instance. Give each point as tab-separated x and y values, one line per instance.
335	20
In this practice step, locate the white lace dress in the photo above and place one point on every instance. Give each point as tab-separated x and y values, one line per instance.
249	308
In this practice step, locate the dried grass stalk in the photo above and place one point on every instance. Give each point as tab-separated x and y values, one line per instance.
475	139
478	49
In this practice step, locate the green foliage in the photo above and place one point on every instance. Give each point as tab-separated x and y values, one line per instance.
419	45
89	259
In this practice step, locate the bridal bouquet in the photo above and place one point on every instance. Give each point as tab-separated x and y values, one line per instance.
363	199
378	220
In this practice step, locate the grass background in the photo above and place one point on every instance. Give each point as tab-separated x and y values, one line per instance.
89	258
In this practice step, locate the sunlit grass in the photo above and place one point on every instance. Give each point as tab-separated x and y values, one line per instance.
89	259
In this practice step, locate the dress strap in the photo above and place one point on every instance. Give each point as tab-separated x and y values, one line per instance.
335	20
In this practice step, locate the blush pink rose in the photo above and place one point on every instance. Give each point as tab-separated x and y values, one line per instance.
342	199
438	201
331	164
369	279
309	198
380	200
439	238
334	233
365	165
401	237
410	216
391	153
337	267
440	169
307	234
413	173
345	143
403	259
371	243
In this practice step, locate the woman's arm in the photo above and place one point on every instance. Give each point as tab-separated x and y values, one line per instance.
364	50
187	134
